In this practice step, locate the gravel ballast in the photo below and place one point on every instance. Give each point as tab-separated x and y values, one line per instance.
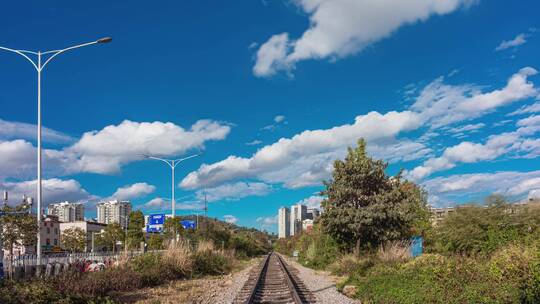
320	284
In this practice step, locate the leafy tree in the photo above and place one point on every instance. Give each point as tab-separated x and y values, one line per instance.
473	229
73	239
19	229
112	234
156	242
366	207
173	227
135	233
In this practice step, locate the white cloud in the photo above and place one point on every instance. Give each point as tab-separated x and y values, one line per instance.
54	190
133	191
105	151
339	28
21	130
235	191
309	153
313	201
447	190
467	128
517	41
440	104
231	219
534	194
161	204
255	142
527	109
278	121
267	222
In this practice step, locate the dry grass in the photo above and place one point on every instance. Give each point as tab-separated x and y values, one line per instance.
205	245
395	251
179	256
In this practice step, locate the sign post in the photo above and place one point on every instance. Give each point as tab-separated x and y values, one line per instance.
155	223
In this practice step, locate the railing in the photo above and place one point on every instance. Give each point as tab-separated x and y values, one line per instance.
10	263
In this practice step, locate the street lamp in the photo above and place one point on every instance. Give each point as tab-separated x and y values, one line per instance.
172	163
39	66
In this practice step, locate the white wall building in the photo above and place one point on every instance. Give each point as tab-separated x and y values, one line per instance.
298	214
66	211
90	228
50	234
284	226
114	211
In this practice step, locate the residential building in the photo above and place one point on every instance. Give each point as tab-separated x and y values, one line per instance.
284	226
298	214
50	234
114	211
313	213
66	211
90	228
438	214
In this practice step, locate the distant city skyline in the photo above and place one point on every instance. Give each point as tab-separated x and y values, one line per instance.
271	93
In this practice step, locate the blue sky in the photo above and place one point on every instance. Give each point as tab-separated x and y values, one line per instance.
272	92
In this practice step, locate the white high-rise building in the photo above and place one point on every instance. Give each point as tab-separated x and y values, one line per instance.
114	211
284	217
66	211
298	214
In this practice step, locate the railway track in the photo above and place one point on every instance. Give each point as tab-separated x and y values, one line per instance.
274	282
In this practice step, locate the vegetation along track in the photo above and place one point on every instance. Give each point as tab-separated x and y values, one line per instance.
274	282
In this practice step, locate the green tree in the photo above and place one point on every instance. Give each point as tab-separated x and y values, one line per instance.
112	234
155	242
135	233
19	229
367	207
73	239
173	227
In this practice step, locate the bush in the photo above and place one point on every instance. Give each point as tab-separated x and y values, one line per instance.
316	249
351	264
209	262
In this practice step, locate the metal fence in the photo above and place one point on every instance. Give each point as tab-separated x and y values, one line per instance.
11	263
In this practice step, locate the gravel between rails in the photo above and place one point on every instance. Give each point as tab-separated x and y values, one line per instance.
320	285
226	289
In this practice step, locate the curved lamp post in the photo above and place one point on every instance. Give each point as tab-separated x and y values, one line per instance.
39	66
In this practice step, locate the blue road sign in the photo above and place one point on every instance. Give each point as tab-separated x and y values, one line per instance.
154	228
188	224
156	219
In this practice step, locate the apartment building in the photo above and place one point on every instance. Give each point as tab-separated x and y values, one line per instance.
114	211
66	211
298	214
284	218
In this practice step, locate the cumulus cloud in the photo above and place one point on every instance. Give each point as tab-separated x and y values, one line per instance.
339	28
304	158
267	222
20	130
234	191
54	190
231	219
447	190
105	151
162	204
517	41
313	201
133	191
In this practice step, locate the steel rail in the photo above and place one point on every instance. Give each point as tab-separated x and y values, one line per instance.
290	281
253	290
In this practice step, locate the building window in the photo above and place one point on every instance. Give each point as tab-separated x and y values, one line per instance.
48	242
56	231
48	230
55	242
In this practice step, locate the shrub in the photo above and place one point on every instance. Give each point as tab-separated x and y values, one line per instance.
207	261
317	249
351	264
395	251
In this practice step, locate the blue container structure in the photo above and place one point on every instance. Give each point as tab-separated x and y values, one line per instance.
416	246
